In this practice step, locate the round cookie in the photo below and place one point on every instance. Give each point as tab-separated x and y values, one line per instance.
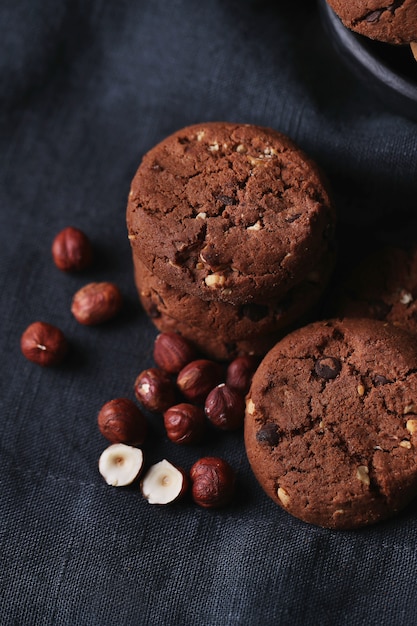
383	286
331	422
229	212
392	22
223	330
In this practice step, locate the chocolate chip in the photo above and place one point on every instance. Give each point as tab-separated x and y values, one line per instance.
380	309
327	367
374	16
380	380
254	312
293	218
268	434
227	200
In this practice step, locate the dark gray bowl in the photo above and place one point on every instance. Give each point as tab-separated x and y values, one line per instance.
389	70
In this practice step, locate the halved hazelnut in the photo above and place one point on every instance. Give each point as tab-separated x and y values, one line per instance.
120	464
164	483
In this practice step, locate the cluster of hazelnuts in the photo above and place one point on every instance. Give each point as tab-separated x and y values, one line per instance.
189	391
72	251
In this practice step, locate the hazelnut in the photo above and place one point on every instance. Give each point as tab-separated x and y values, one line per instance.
44	344
164	483
96	303
72	250
172	352
185	423
155	389
197	379
240	371
212	482
120	465
121	421
225	407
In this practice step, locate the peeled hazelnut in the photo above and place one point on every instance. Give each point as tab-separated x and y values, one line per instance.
155	389
212	482
44	344
240	371
120	465
96	303
72	250
197	379
185	423
121	421
164	483
172	352
225	407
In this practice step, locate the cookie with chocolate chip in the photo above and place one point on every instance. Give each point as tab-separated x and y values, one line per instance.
383	286
222	330
391	22
331	422
229	212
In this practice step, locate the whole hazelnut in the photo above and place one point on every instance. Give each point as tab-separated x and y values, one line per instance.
240	371
172	352
212	482
121	421
185	423
155	389
96	303
72	250
44	344
197	378
225	407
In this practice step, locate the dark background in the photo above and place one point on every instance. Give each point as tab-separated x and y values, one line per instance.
86	88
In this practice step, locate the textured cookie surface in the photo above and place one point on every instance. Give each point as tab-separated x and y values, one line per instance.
384	287
229	212
392	22
331	422
223	330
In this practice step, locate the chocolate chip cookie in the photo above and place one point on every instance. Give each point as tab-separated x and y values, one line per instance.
223	330
331	422
392	22
229	212
383	286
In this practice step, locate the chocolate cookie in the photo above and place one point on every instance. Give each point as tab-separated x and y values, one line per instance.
392	22
220	329
229	212
331	422
383	286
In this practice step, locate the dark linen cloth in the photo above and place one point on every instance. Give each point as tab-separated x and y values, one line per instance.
87	87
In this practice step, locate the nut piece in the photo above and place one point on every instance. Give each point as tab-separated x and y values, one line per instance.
283	496
185	423
362	474
120	465
44	344
72	250
225	407
155	389
197	379
213	482
164	483
121	421
240	371
171	352
96	303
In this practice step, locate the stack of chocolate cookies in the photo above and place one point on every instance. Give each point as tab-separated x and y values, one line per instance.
231	228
